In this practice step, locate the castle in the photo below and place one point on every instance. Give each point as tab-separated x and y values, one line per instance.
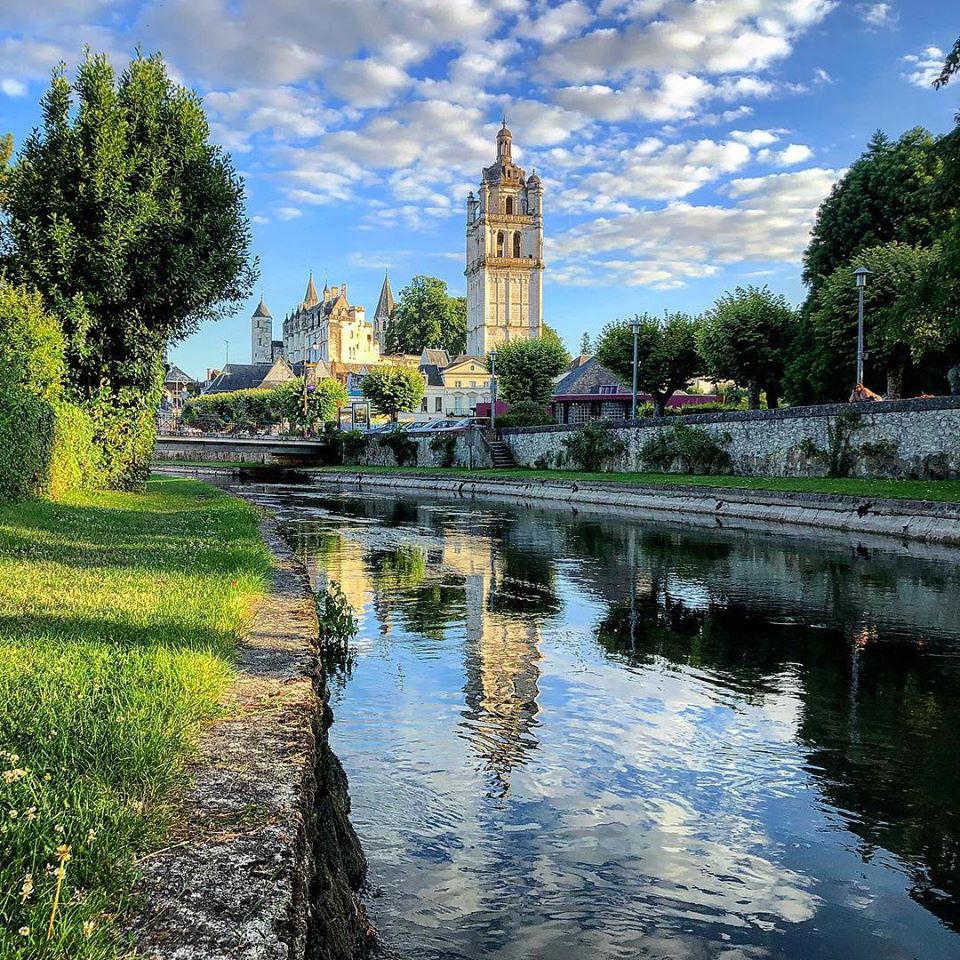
504	271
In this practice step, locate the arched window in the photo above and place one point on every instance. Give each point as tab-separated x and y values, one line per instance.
516	245
509	204
500	244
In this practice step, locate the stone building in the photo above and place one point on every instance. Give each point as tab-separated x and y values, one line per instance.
504	255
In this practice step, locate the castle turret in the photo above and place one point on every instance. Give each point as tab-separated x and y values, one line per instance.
381	316
261	334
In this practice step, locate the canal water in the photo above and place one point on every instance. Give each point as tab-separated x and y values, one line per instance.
575	737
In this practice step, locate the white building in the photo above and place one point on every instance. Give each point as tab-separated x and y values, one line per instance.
504	254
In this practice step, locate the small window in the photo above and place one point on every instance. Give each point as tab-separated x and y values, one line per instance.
500	242
509	204
516	245
607	388
439	406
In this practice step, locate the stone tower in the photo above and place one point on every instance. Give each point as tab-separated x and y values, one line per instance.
504	254
381	316
261	335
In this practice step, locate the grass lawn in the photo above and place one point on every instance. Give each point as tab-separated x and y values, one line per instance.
940	490
119	618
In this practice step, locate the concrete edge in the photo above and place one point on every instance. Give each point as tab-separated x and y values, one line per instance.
922	521
243	873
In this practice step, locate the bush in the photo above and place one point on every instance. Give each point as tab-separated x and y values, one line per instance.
692	409
691	449
525	413
404	448
593	446
444	447
354	444
46	443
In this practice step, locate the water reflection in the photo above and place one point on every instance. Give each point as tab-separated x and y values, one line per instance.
573	737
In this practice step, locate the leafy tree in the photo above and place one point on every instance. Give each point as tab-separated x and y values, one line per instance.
586	345
903	324
745	338
889	194
667	355
951	66
526	369
317	405
130	222
426	316
6	152
392	389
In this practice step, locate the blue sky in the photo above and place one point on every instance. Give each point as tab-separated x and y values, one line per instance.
684	144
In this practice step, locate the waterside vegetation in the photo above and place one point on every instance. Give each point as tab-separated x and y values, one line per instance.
119	617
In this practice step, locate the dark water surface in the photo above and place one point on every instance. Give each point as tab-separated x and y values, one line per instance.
573	737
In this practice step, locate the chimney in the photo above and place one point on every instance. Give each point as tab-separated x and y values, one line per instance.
334	293
343	289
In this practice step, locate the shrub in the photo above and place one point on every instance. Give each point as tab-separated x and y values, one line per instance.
404	448
354	444
46	444
691	449
593	446
878	449
840	437
525	413
444	447
692	409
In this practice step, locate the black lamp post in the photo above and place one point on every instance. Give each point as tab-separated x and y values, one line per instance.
635	327
861	273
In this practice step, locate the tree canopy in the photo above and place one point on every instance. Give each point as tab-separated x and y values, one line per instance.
394	389
890	194
424	315
667	355
745	337
527	369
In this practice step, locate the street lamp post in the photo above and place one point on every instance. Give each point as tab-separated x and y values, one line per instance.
493	389
635	327
861	273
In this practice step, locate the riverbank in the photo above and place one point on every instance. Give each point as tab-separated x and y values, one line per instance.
930	515
120	620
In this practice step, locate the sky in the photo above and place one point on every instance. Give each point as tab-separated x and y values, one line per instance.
684	145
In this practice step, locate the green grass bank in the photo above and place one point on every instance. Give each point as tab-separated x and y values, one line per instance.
944	491
119	617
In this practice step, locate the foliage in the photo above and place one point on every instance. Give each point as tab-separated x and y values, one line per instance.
444	448
246	409
953	378
667	356
135	605
951	66
586	345
354	444
338	626
392	389
526	369
46	442
320	403
592	446
744	338
425	315
840	433
403	447
878	449
689	449
525	413
130	222
692	409
902	323
889	194
6	152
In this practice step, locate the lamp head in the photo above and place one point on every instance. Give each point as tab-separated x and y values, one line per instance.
861	273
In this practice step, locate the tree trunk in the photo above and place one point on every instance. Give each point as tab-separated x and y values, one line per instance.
895	372
659	405
753	395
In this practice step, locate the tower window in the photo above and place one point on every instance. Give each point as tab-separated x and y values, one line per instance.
509	204
500	242
516	245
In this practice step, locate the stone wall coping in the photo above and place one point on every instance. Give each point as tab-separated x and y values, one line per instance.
873	408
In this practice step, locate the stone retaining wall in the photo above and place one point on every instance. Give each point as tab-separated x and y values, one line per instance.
470	451
902	439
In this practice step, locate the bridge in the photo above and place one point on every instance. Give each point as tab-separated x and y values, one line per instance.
281	451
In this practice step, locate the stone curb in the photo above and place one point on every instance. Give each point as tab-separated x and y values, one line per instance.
923	521
264	836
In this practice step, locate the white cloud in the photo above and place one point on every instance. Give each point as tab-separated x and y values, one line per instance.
877	15
755	138
13	88
788	157
289	213
260	219
924	67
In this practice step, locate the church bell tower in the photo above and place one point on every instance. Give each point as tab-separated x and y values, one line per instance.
504	254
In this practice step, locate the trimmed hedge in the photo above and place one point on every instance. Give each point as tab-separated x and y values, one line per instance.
46	443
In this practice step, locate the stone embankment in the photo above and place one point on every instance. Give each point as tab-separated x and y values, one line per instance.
937	523
264	863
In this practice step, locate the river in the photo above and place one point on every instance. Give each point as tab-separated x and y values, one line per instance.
574	737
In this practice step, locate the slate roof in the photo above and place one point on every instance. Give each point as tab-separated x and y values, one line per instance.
437	358
385	303
432	372
240	376
262	310
310	298
176	376
586	379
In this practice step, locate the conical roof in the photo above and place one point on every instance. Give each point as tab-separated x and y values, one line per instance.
310	298
385	303
262	310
